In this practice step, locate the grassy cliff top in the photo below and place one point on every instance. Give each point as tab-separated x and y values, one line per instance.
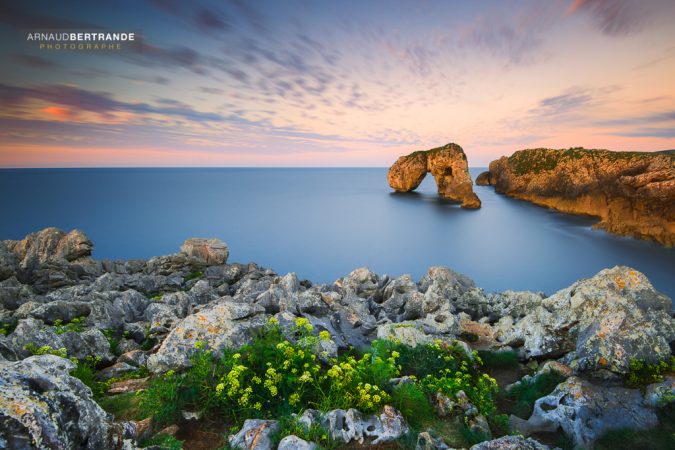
544	159
426	153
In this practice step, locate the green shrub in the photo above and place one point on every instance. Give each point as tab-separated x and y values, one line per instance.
163	399
86	372
46	350
641	374
528	391
413	402
289	425
76	325
499	424
499	360
279	373
163	441
473	437
192	276
8	328
122	406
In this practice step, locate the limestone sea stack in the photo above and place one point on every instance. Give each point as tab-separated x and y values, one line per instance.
633	193
447	164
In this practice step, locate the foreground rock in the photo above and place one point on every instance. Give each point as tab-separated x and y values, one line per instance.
223	324
510	443
632	193
598	324
585	411
140	315
353	426
255	434
447	164
42	406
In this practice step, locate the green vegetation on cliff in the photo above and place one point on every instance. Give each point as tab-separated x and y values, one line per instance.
543	159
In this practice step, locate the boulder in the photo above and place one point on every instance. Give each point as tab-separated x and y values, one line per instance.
510	443
447	164
293	442
117	370
9	263
600	324
425	441
255	434
662	393
352	426
205	252
50	245
221	324
42	406
585	411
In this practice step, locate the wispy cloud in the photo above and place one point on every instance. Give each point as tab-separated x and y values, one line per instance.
614	17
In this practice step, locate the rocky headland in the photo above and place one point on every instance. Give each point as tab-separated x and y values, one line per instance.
122	355
633	193
448	166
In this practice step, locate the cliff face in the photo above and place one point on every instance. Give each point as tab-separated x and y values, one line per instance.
633	193
447	164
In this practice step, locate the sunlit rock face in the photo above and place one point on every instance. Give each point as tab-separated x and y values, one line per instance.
449	167
633	193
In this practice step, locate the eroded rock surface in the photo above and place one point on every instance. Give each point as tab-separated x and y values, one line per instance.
633	193
598	324
585	411
448	166
42	406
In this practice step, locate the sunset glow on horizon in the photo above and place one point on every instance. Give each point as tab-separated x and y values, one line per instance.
303	83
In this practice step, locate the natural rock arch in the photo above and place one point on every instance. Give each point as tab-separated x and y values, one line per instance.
449	167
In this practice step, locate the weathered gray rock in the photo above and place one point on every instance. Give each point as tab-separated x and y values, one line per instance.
660	394
9	263
50	245
31	331
255	434
352	426
115	371
601	324
137	358
64	311
206	252
516	304
90	343
42	406
222	324
425	441
13	293
510	443
585	411
293	442
360	282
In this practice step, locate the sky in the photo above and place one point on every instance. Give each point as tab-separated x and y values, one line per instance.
334	83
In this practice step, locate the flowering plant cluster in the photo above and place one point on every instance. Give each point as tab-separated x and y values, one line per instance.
282	372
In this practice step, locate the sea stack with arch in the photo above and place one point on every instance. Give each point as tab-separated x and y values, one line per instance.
449	167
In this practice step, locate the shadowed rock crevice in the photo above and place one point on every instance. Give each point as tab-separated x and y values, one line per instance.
448	166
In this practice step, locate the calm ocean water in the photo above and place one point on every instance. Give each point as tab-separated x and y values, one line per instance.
321	224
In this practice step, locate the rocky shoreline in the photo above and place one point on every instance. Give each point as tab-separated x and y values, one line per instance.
141	320
633	193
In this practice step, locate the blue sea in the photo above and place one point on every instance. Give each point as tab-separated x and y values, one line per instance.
322	223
